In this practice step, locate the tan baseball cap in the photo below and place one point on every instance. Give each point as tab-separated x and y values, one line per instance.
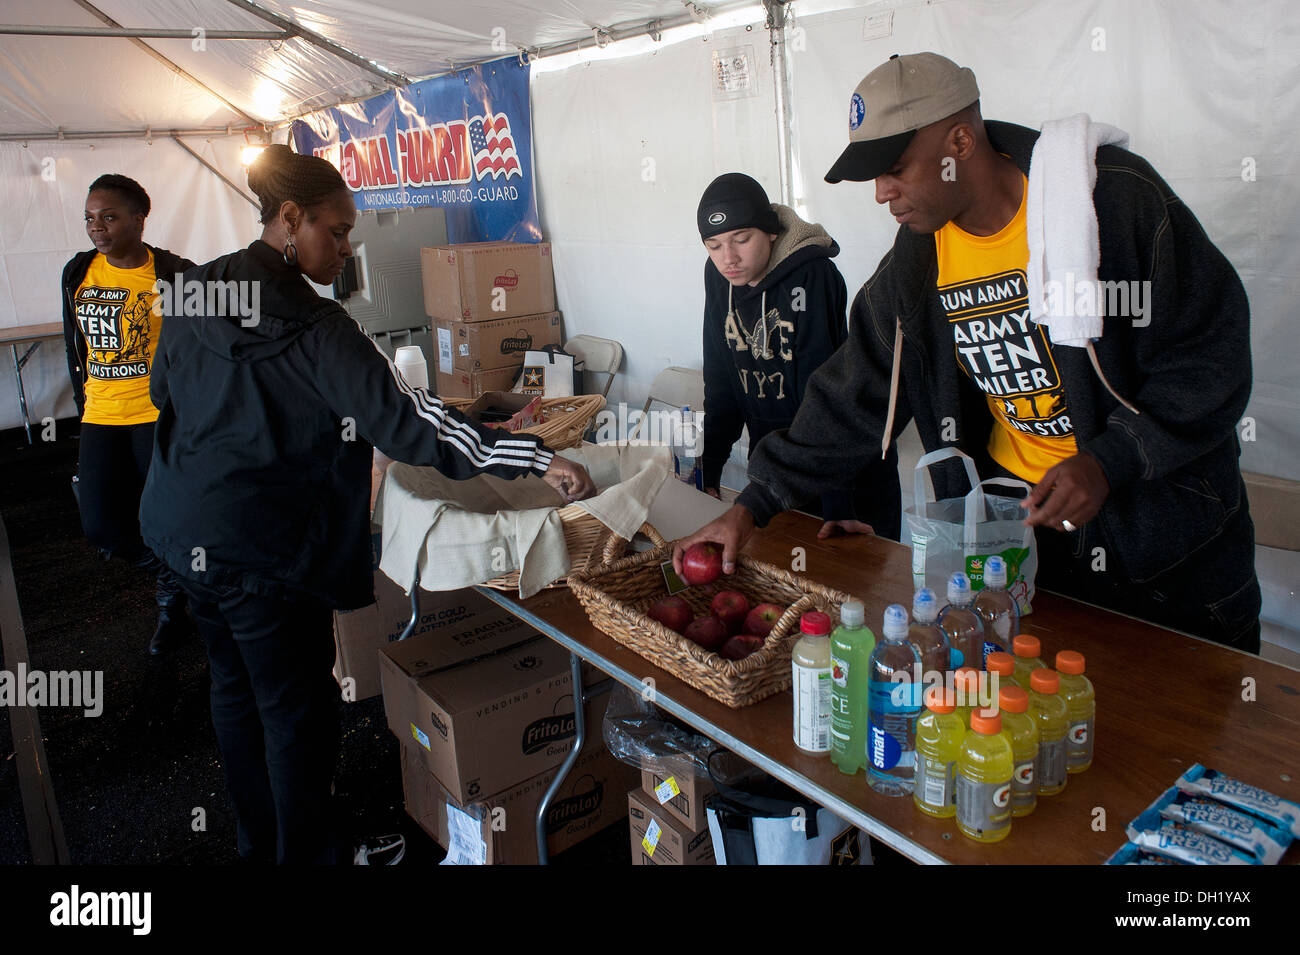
892	102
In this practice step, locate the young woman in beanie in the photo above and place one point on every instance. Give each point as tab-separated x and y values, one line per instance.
774	306
258	494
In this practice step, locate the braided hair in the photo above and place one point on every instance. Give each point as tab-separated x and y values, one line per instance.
281	175
126	187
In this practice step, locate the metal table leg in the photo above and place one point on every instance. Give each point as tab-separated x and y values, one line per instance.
415	604
18	374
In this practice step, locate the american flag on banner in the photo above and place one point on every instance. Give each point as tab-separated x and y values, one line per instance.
494	149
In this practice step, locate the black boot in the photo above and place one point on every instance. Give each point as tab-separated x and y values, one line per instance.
175	627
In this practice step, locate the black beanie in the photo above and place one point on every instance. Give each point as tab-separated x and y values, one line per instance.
735	201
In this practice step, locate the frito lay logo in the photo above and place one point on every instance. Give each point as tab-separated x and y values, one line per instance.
523	343
438	724
1079	733
580	804
1002	796
507	281
549	729
1025	774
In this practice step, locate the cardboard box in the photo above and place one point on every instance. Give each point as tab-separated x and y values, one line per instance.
670	843
464	384
688	805
464	618
469	347
483	281
1275	509
483	724
502	830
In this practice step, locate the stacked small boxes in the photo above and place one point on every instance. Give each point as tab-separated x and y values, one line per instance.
668	822
491	302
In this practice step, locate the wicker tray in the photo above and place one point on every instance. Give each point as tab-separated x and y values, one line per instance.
567	419
617	593
590	544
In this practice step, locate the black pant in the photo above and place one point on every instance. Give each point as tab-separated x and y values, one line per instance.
275	711
113	462
1214	594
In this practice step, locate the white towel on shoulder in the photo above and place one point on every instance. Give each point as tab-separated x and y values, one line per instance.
1064	251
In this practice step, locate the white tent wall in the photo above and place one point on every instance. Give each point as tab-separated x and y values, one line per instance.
193	214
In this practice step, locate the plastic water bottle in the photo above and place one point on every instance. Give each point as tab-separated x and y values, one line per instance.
851	645
997	608
688	470
962	625
895	702
930	642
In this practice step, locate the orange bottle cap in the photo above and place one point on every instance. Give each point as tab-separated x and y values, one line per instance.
986	722
1044	680
966	676
1070	661
1003	664
1026	645
940	700
1013	699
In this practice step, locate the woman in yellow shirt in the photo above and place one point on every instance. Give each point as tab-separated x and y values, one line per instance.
110	329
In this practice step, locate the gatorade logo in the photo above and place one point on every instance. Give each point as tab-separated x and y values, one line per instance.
1079	733
1025	774
1002	796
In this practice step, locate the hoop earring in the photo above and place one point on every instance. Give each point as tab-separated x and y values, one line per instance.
290	252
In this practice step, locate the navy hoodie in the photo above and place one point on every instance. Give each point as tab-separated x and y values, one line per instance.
260	476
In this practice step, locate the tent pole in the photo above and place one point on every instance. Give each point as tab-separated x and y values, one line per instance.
780	80
216	172
96	12
129	32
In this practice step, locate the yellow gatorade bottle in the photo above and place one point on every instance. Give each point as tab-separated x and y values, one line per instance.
966	683
1004	665
1049	711
1027	650
984	771
1022	733
1081	705
939	735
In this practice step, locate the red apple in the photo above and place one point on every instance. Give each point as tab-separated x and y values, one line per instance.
702	563
731	607
673	612
762	619
708	631
740	646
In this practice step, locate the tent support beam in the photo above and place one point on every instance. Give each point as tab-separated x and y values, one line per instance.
73	135
105	18
216	172
315	39
776	18
130	32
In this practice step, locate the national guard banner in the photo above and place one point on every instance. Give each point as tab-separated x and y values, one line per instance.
461	141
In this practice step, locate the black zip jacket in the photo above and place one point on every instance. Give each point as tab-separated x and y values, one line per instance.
260	476
165	266
1173	469
760	354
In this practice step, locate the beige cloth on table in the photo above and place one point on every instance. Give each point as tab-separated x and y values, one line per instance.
466	532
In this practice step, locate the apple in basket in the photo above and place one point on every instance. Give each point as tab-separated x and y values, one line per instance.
673	612
741	646
762	619
708	631
702	563
731	608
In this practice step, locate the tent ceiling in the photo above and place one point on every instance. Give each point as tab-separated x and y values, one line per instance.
106	83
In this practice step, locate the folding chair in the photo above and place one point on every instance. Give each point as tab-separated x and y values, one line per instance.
677	387
603	355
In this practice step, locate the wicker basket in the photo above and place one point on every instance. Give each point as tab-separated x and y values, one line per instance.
590	544
567	419
617	593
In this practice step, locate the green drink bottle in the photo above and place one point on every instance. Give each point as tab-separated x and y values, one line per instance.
851	645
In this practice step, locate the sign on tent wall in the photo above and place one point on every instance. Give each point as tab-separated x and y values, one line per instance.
462	142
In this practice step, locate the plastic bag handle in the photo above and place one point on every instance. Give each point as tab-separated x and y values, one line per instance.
975	507
923	486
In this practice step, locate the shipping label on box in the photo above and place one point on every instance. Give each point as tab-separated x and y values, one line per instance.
672	783
484	281
481	725
501	829
481	346
659	839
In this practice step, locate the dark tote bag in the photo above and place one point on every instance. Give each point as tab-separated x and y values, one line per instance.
755	819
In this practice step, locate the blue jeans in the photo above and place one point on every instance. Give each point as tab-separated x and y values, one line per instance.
275	711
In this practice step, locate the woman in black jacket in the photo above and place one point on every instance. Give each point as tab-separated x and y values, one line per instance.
270	399
110	329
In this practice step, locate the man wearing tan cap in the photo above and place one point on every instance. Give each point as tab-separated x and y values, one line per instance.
1128	440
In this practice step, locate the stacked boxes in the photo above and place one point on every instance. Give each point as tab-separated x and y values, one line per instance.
669	824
